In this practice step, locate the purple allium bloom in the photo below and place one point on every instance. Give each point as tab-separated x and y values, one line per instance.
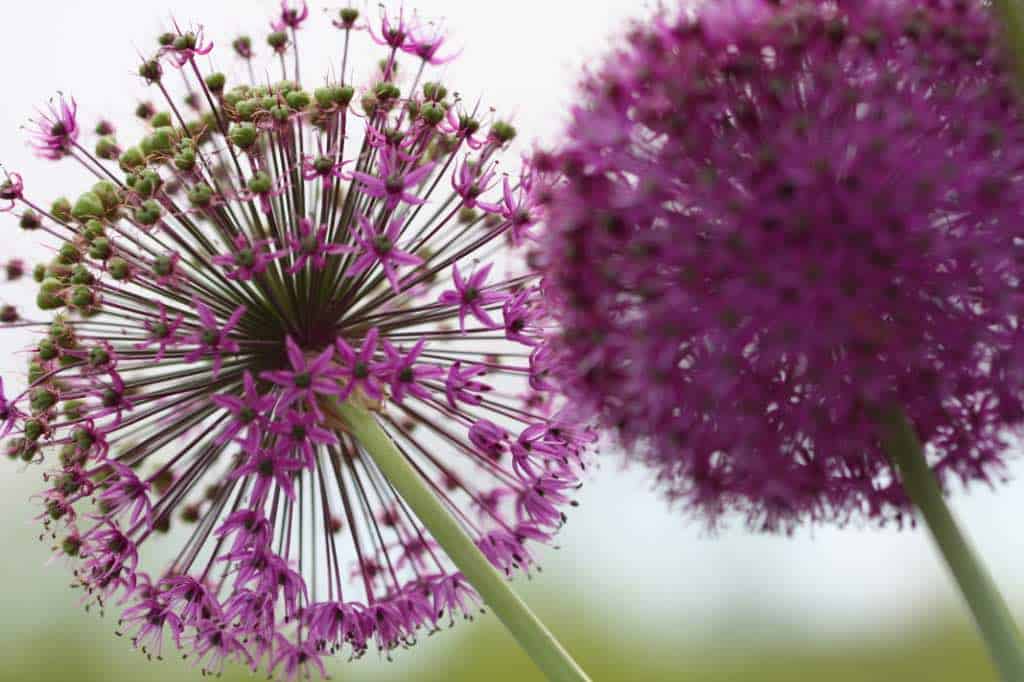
361	371
461	386
213	339
215	293
247	259
380	248
9	414
406	372
470	181
395	181
250	411
56	131
163	332
324	167
470	296
309	247
425	42
291	17
519	207
391	34
774	222
305	380
186	46
11	190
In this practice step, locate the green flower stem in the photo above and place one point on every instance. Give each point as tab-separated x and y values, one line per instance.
1011	16
492	586
990	611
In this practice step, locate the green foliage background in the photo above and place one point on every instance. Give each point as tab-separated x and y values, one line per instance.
79	647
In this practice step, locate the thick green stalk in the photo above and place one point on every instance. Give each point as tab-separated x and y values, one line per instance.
492	586
990	611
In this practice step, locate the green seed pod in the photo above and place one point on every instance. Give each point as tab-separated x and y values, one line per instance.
70	546
42	400
235	95
106	148
298	99
248	108
33	430
98	356
72	409
243	135
61	209
145	110
280	113
48	349
277	40
69	254
369	103
81	275
161	141
88	206
324	97
151	70
166	39
119	268
215	82
163	265
161	119
68	456
108	194
185	160
387	91
148	213
82	297
94	229
185	41
131	159
503	132
432	113
39	272
348	16
200	195
147	182
29	220
434	92
36	371
260	183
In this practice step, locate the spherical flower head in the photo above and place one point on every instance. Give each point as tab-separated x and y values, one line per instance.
251	262
771	225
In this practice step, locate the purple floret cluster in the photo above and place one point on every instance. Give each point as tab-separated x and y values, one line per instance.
771	225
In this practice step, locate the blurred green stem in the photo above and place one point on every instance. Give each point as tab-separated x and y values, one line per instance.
990	611
1011	15
492	586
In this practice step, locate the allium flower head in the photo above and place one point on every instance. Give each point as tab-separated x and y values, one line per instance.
211	297
774	222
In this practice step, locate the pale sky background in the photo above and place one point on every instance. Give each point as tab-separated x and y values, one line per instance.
624	556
